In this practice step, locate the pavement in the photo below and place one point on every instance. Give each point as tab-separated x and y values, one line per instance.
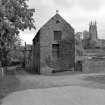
69	95
57	90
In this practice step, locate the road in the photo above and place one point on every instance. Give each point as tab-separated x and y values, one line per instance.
57	90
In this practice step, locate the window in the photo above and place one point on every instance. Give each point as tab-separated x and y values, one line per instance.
55	50
57	35
57	21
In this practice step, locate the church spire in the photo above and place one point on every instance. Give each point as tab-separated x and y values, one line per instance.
93	30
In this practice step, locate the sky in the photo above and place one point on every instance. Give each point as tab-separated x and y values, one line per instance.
78	13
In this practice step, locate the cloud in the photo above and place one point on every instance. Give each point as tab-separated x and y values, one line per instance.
91	5
40	3
77	12
64	3
88	5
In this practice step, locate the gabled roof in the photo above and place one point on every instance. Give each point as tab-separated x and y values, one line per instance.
37	35
56	17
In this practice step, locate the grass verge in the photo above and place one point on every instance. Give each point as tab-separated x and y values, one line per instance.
8	84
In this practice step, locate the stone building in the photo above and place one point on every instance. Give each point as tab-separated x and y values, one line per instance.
54	47
91	39
93	31
94	56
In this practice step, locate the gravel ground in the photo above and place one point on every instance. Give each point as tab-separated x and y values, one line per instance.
41	81
69	95
89	83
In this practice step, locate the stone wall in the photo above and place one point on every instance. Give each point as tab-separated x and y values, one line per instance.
91	66
47	39
43	59
36	54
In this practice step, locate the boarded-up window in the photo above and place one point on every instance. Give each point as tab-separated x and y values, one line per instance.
57	35
55	50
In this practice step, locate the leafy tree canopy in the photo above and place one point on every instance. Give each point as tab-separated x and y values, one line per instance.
15	15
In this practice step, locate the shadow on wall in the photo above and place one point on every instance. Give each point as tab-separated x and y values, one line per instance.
58	65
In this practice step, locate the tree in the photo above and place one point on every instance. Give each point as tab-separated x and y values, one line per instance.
15	15
17	41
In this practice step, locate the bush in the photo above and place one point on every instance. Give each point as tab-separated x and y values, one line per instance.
8	84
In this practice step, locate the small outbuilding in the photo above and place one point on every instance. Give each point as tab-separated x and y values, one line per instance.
54	47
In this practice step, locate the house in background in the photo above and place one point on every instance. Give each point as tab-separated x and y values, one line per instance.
91	40
54	47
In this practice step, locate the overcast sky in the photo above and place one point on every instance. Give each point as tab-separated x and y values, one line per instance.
76	12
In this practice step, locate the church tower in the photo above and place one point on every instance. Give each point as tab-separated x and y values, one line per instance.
93	31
